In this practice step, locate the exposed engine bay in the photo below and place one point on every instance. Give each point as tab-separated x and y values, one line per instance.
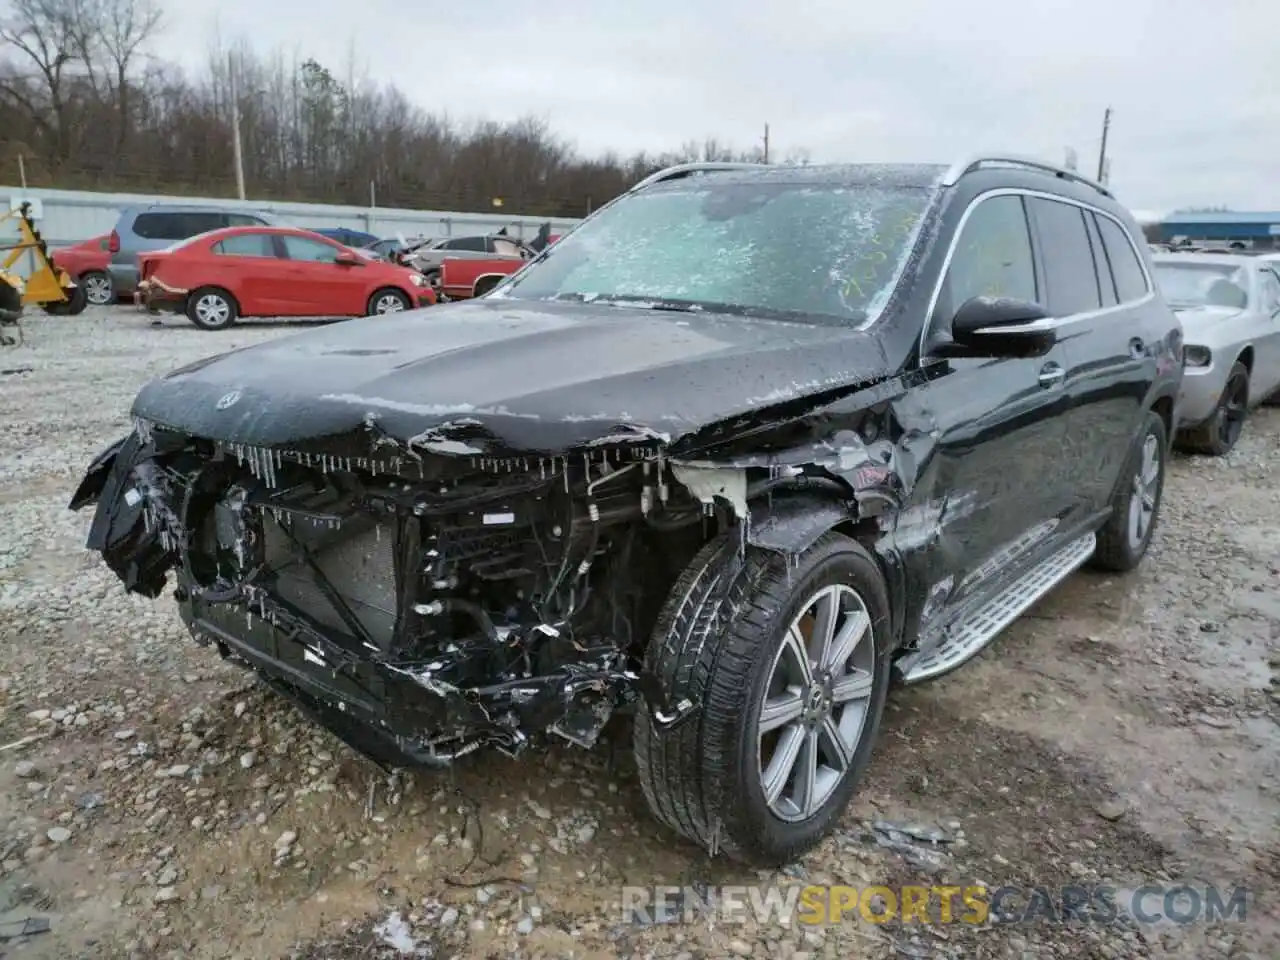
449	602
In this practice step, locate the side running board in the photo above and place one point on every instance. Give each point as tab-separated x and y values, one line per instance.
970	636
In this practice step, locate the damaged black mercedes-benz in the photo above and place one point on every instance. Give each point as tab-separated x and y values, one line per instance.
742	442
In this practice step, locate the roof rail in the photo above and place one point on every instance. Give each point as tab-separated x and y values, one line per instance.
684	169
672	173
960	168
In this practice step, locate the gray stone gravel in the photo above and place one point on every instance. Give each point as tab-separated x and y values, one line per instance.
160	804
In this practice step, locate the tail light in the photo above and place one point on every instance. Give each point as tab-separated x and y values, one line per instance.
113	242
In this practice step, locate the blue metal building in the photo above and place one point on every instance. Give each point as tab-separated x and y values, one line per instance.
1230	228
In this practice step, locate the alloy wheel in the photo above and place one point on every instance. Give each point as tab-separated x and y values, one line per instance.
388	303
98	290
816	703
1146	487
213	310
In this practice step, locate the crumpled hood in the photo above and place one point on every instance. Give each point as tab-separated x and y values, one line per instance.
528	377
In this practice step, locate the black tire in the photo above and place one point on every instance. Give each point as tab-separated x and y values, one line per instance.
74	304
98	287
1218	435
212	308
715	644
379	303
1273	400
1118	548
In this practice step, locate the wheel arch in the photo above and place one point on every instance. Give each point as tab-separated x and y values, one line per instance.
1245	356
1163	406
492	279
790	520
388	288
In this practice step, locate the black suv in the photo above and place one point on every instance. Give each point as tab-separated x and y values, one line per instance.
742	447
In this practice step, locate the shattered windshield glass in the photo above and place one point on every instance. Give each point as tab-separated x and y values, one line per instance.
756	247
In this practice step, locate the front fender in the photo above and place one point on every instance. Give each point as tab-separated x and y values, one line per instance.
792	524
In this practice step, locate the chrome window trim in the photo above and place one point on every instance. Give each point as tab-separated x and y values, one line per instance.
1052	322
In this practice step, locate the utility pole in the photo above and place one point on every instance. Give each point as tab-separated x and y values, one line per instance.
235	125
766	143
1102	150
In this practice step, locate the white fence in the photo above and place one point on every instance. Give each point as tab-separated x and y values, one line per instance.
69	216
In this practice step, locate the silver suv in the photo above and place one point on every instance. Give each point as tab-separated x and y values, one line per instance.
155	226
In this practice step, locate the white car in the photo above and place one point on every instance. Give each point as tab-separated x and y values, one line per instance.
1229	305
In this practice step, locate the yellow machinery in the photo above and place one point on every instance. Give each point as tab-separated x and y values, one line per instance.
48	285
11	291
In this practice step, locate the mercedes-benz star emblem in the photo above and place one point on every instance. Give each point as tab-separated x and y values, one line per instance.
228	400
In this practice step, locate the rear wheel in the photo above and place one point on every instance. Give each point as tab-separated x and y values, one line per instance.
1135	507
785	662
98	288
211	308
1218	435
387	300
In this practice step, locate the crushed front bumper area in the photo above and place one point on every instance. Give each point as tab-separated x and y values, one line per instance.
398	702
156	298
393	713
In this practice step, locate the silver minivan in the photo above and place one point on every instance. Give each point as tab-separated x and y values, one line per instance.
155	226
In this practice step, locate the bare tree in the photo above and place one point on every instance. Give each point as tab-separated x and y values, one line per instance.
48	36
86	106
125	27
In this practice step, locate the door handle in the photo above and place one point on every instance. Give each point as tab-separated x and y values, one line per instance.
1051	374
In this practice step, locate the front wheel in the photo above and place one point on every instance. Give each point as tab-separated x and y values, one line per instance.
1218	435
387	300
786	662
1135	506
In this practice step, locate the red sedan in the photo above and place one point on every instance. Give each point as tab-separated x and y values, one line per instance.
220	276
86	262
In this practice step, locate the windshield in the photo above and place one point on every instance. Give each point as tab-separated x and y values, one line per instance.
766	248
1188	284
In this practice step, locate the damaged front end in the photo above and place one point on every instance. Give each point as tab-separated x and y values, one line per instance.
419	604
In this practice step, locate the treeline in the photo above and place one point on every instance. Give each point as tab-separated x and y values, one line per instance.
86	105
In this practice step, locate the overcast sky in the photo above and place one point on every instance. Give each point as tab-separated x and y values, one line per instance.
1194	85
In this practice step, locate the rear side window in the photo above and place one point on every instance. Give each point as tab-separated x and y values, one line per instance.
1131	281
477	244
992	256
1068	261
176	226
246	245
242	220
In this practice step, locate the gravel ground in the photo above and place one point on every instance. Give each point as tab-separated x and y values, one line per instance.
157	803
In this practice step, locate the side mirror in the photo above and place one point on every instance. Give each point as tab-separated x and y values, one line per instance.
346	258
1000	327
